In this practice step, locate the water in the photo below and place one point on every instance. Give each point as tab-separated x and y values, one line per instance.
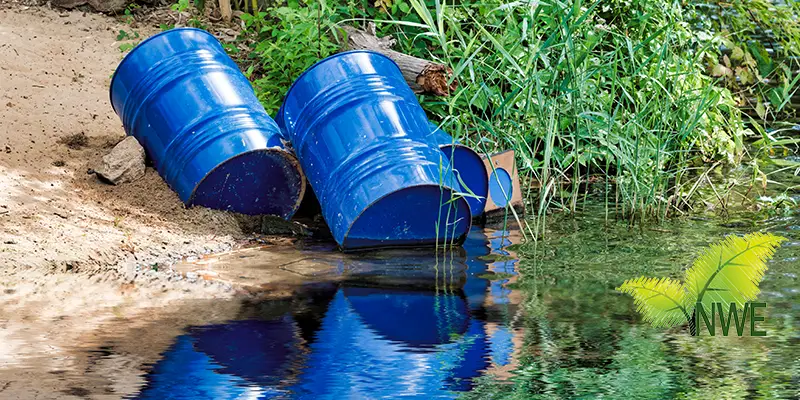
496	319
583	340
418	326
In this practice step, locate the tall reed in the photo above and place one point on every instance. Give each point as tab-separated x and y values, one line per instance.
614	90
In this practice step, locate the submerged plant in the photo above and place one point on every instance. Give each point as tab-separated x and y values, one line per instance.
728	272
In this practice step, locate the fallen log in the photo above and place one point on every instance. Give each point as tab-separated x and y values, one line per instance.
422	75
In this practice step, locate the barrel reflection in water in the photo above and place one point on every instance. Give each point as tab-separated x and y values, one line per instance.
363	338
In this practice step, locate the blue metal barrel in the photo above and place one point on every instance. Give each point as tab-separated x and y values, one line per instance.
181	96
468	166
361	136
279	120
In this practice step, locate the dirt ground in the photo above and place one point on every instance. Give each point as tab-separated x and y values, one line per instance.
73	248
54	216
83	264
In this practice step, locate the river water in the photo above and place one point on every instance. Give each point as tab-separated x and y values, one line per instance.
496	319
419	325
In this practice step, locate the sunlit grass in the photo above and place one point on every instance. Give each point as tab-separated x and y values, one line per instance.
576	96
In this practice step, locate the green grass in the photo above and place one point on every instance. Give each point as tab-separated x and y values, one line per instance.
582	89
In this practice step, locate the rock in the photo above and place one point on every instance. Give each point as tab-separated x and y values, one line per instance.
108	6
125	163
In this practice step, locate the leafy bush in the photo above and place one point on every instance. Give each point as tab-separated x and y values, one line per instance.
285	41
627	90
760	42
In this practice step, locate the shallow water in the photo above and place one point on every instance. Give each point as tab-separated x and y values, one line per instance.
417	326
495	319
583	340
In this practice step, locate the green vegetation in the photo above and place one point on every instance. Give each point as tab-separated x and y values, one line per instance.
128	39
284	42
581	339
746	67
635	102
586	88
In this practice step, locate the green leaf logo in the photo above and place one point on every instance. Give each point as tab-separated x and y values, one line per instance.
727	272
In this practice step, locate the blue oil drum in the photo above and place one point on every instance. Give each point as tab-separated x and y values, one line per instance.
181	96
468	167
362	139
279	120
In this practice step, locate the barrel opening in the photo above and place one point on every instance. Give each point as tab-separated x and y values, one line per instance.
471	175
409	217
264	181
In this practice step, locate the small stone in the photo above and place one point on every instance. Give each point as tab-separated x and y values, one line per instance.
125	163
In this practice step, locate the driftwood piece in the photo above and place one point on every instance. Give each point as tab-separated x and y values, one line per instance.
422	75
